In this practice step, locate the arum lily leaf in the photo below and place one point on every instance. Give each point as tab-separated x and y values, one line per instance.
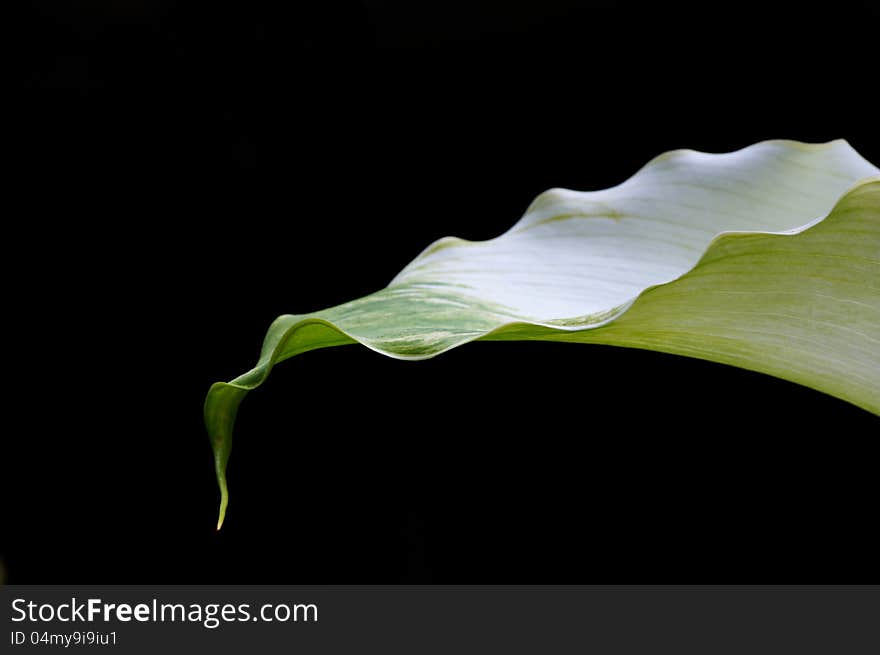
767	258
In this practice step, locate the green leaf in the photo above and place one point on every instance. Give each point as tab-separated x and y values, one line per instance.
767	258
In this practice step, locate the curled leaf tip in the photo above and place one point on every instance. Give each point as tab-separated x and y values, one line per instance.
221	407
224	501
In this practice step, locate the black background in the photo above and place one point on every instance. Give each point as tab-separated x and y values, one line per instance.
189	171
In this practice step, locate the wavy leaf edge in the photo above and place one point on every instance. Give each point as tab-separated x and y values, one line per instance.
223	398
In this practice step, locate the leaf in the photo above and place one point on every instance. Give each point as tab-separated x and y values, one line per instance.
767	258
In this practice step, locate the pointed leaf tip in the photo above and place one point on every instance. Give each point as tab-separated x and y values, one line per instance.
221	407
224	501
